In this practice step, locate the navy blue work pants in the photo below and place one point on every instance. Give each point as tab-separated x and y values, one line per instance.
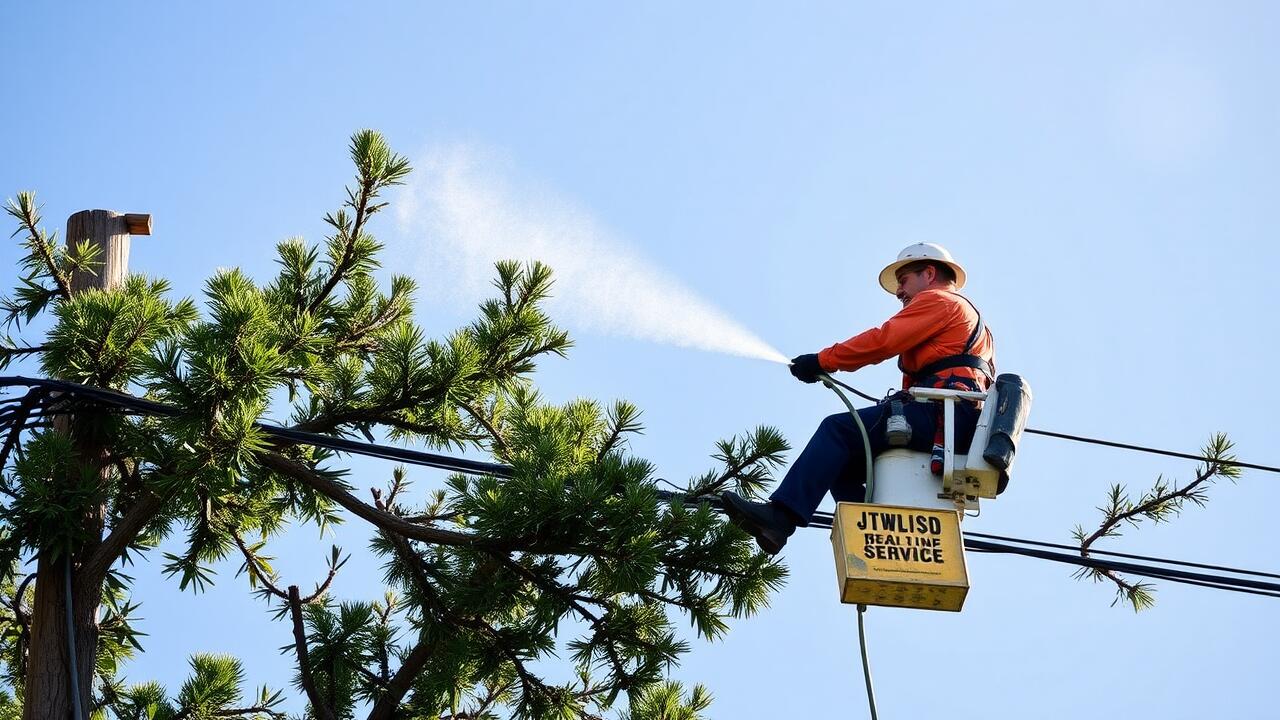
834	460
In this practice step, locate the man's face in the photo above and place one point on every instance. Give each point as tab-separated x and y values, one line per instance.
911	282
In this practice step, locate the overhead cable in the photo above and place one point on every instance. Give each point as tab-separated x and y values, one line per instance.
1219	581
149	407
1152	451
385	452
1109	443
1129	556
972	541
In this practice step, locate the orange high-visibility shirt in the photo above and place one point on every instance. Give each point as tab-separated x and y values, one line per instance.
933	325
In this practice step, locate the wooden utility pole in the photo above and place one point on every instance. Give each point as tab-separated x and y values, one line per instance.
47	693
109	231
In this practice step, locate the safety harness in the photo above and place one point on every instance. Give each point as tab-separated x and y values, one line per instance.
930	374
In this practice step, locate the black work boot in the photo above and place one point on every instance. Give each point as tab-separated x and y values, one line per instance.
769	524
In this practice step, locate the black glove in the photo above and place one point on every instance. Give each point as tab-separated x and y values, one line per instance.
806	368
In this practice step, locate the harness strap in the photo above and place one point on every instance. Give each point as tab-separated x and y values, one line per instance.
963	359
977	329
955	361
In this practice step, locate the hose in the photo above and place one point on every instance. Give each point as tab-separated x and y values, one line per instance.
853	390
866	439
866	664
72	664
866	448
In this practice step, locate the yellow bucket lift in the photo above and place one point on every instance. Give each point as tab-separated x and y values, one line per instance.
903	547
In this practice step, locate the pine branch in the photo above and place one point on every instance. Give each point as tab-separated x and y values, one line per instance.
382	414
323	711
428	429
323	587
419	572
241	712
23	620
758	451
28	215
492	693
122	535
1154	503
623	418
574	601
372	677
12	351
380	519
349	237
105	378
516	364
1157	505
251	567
396	526
530	684
669	600
500	444
256	710
353	339
378	168
402	681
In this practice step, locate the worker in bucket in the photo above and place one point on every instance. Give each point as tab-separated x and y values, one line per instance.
940	341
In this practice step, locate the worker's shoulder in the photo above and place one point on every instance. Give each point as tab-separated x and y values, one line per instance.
941	298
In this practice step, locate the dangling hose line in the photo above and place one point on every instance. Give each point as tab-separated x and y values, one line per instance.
866	439
72	664
851	389
866	664
866	448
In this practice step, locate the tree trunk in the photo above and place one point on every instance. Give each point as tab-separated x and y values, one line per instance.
47	691
48	687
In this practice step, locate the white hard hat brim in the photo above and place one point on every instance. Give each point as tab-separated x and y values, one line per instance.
889	275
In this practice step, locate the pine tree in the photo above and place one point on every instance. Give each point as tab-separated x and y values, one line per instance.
486	580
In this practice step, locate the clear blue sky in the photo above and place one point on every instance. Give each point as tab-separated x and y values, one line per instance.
1106	171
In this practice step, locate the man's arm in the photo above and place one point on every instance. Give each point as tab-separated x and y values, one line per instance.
925	316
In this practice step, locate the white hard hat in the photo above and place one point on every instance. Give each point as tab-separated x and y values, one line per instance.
916	253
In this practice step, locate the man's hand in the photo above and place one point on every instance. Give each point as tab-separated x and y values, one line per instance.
806	368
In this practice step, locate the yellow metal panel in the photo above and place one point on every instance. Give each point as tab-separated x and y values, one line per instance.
899	556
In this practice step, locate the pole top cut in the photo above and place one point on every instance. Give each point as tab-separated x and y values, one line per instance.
109	222
138	223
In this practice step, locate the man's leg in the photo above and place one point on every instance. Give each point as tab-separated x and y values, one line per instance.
833	461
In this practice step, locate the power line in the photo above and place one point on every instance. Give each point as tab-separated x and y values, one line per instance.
1219	581
153	408
149	407
820	519
1129	556
1151	450
1107	443
388	452
974	541
1213	586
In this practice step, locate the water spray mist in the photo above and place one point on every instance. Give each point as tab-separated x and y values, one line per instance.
463	216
